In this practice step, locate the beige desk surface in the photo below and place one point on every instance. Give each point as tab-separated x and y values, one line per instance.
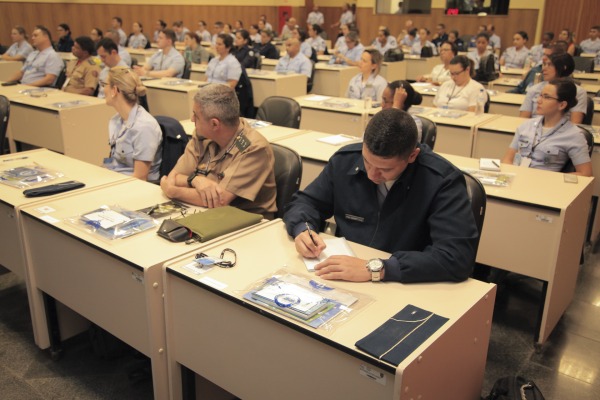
591	87
268	64
493	137
586	76
144	52
332	80
272	133
508	98
115	284
503	123
503	84
357	106
172	97
270	83
393	71
320	117
174	84
521	72
417	66
57	96
15	90
293	345
9	68
199	68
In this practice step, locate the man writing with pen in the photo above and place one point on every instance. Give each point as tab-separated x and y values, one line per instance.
392	194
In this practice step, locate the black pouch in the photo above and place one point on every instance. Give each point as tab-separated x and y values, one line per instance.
174	232
515	388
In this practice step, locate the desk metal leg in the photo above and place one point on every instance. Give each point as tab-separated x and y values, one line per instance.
538	325
188	383
53	328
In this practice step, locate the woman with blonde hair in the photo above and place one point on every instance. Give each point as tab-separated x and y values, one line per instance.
134	135
368	83
20	48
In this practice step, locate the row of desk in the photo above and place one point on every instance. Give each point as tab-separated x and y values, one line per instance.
139	290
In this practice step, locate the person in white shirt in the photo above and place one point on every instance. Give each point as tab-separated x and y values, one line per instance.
158	27
137	39
368	83
410	38
495	40
315	40
203	32
268	26
20	49
340	43
354	49
518	55
217	30
423	41
592	45
461	92
383	42
288	28
224	68
315	17
294	60
180	31
441	72
117	23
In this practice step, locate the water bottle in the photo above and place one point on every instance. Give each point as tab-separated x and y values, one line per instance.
368	96
481	100
538	78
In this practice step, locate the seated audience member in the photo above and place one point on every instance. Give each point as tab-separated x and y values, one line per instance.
454	38
382	42
559	65
43	65
495	40
551	140
218	28
266	48
243	50
537	51
482	51
134	135
411	38
591	45
368	83
158	27
117	26
351	55
461	92
167	62
402	96
96	36
294	60
82	73
137	39
194	52
20	48
224	68
365	187
305	48
340	43
288	28
228	30
108	52
315	17
441	72
530	77
423	41
179	31
263	19
203	32
440	36
215	169
315	40
123	53
516	56
567	36
65	42
254	34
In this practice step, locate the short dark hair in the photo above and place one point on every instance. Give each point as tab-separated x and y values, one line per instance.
227	40
391	133
385	31
45	31
170	34
178	24
99	32
453	47
317	29
483	35
108	44
194	36
119	20
303	35
523	34
268	32
560	46
596	27
245	35
162	23
563	63
565	91
65	27
549	34
464	61
86	43
413	98
413	32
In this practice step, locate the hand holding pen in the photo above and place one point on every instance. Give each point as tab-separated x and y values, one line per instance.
309	244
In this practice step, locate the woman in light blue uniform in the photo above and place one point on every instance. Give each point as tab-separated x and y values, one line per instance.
20	48
558	65
224	68
368	83
551	140
518	55
134	135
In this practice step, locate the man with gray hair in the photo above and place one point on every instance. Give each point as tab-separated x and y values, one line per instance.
227	162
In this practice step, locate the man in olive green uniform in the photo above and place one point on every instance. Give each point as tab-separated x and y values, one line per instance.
227	162
82	73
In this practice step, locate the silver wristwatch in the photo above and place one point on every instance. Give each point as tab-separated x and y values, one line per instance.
375	265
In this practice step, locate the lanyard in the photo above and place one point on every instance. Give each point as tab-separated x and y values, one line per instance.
452	96
539	129
206	169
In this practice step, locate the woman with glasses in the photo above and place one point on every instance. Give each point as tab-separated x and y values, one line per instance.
557	65
551	140
517	55
224	68
20	48
460	92
440	73
368	83
134	135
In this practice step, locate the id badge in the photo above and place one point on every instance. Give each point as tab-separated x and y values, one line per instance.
525	162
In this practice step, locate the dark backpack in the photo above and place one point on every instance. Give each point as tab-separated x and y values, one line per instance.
393	55
515	388
174	142
426	52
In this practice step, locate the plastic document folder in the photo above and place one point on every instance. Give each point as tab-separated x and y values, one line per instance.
401	334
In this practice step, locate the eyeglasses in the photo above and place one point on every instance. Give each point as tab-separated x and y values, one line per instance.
546	97
457	73
215	261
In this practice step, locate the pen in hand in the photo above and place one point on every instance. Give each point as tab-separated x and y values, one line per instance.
312	238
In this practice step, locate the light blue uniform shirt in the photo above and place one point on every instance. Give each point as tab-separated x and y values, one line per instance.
417	47
137	139
299	64
407	41
317	43
103	78
40	63
357	89
354	54
161	61
533	92
122	37
514	58
589	46
125	56
306	49
138	41
550	149
537	52
23	50
221	71
388	45
204	36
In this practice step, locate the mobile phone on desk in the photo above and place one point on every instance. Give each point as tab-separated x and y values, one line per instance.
10	83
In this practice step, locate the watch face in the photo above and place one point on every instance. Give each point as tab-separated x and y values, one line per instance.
375	265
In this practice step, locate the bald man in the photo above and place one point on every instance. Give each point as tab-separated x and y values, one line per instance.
294	61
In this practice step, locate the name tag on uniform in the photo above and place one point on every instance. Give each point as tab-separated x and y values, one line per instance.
354	218
242	142
522	161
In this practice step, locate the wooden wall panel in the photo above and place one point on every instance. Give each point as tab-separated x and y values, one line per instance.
562	14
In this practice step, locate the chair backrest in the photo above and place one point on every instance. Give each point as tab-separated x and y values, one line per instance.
173	144
589	113
429	132
426	52
288	175
486	106
60	80
466	39
313	55
143	100
587	132
187	70
134	62
280	111
311	79
584	64
476	193
243	90
4	114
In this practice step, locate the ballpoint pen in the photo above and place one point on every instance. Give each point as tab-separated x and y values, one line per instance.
312	238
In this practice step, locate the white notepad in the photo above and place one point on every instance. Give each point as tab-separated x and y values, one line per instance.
338	140
489	164
335	247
